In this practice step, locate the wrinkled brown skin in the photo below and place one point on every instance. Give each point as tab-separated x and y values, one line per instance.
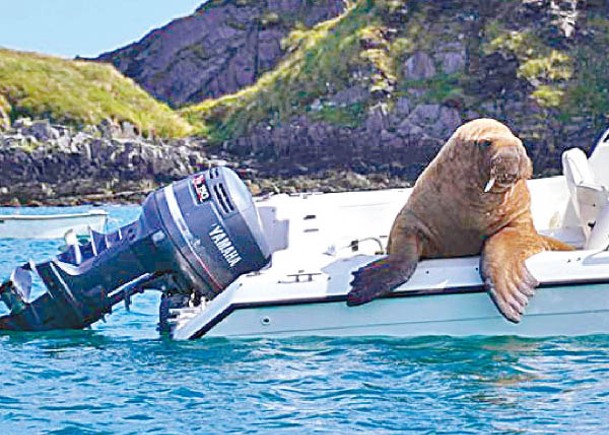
450	215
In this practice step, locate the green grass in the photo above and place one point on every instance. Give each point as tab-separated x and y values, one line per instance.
318	58
546	69
573	82
351	49
438	89
80	93
348	116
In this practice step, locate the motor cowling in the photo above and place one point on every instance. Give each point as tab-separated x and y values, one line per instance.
193	238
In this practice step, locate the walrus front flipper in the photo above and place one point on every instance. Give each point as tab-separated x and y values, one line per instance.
382	276
504	273
379	278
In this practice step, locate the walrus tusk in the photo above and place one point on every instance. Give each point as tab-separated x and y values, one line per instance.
489	185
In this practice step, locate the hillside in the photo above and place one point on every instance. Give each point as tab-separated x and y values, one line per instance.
224	46
382	85
356	95
79	93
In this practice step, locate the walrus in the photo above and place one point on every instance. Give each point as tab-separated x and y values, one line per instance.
472	199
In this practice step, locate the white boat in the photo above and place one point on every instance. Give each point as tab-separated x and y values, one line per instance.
52	226
318	240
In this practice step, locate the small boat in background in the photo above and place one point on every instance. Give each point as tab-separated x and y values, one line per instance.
52	226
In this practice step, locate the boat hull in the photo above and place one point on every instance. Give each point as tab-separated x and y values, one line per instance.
460	313
444	297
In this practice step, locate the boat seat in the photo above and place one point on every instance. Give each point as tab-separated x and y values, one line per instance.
590	200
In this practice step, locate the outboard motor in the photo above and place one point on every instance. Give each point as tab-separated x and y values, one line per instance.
193	238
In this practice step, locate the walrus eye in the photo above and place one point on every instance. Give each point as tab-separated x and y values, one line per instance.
484	143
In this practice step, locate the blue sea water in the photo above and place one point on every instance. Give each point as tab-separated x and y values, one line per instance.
122	377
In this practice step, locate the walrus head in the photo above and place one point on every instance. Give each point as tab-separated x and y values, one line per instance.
506	162
502	159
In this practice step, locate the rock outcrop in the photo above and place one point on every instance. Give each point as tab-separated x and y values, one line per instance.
48	164
221	48
418	70
54	164
394	143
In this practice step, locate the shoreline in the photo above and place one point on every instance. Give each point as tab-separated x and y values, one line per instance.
45	164
339	182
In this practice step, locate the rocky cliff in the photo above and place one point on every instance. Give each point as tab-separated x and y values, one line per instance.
380	87
221	48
